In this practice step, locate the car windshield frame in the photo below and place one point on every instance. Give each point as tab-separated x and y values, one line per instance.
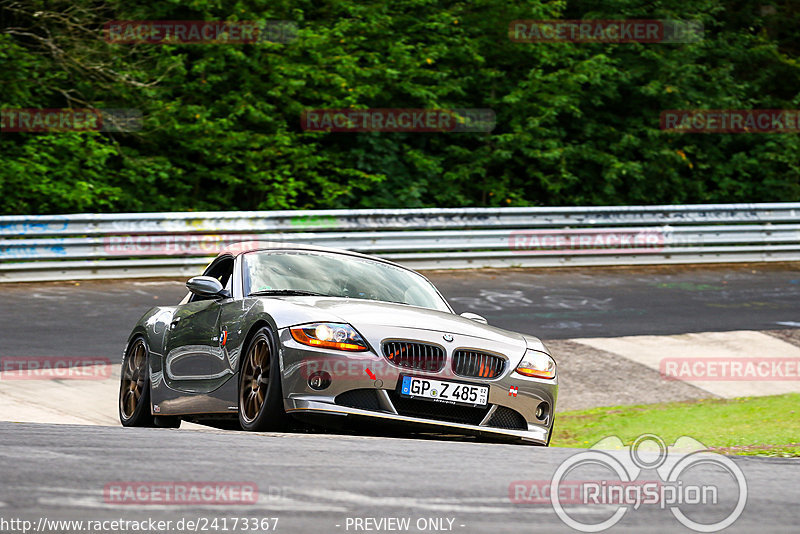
433	292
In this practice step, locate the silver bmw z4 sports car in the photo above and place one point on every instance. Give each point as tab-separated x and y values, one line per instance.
271	332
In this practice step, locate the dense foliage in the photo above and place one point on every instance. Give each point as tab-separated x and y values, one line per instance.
577	123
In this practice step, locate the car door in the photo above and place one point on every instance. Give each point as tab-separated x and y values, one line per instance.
195	360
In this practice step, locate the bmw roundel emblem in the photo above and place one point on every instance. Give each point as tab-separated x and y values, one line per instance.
448	337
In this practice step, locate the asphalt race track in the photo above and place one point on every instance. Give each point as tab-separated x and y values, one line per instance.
321	483
623	302
314	483
94	317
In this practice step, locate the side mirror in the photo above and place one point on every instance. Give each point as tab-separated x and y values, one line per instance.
475	317
206	287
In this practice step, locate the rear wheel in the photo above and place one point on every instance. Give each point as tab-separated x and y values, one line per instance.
260	396
134	388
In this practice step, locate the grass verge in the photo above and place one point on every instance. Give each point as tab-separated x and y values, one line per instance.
760	426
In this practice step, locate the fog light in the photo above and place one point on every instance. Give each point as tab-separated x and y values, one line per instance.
542	411
319	380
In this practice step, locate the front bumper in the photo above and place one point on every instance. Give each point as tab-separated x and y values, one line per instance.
531	400
299	405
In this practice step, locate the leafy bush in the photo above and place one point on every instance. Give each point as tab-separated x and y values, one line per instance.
577	123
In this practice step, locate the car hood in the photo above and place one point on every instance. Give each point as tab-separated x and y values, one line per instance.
371	316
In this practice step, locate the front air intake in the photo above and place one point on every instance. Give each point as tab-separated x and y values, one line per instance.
473	364
411	355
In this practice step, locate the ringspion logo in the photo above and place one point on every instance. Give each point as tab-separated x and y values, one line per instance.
592	491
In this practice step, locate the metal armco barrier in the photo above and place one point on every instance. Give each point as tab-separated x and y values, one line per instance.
84	246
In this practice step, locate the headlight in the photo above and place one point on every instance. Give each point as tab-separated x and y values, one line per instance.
537	364
329	336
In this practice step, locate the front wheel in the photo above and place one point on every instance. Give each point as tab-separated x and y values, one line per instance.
260	396
550	435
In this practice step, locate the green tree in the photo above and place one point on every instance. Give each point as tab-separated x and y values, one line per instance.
577	123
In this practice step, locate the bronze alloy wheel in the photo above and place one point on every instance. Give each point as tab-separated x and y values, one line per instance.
134	374
254	385
260	396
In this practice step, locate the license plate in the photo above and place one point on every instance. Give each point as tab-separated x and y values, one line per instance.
444	391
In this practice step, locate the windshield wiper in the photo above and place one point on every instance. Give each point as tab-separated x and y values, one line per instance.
286	292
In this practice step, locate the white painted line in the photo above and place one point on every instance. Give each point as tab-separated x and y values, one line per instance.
282	503
83	498
77	502
789	323
43	490
37	453
47	297
404	502
264	504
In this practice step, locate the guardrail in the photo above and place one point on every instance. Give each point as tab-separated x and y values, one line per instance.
83	246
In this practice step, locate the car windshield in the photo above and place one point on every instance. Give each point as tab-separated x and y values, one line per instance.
305	272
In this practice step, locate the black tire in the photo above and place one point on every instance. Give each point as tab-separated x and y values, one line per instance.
134	387
260	397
